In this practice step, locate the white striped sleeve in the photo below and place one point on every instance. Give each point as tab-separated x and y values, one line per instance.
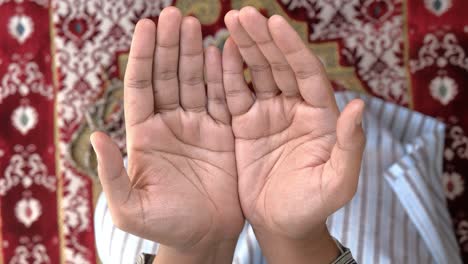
398	214
114	245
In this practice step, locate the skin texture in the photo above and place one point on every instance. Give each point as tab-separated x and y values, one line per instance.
204	151
298	158
181	186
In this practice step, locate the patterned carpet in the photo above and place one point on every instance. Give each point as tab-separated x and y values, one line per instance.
61	71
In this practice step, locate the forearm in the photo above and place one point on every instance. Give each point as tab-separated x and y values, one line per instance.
221	253
319	248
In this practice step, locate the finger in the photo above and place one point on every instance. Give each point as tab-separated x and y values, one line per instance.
311	77
138	91
122	199
342	170
238	95
256	25
262	77
217	105
166	84
191	82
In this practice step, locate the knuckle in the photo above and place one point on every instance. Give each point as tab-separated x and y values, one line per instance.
247	45
192	80
192	54
196	109
234	92
166	74
308	71
135	57
259	67
214	81
265	42
167	45
280	67
232	72
217	100
137	83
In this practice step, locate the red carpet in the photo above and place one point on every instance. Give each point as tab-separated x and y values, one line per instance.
61	68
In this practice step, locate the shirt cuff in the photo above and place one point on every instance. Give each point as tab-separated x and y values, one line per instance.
145	259
345	256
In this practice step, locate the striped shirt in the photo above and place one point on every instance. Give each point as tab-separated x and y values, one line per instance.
398	214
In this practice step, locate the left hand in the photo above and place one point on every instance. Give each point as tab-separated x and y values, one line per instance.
298	158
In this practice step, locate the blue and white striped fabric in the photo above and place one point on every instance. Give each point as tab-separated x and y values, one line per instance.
398	215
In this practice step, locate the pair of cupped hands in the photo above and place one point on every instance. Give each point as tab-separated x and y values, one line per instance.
205	152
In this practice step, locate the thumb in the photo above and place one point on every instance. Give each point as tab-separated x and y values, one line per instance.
343	168
113	176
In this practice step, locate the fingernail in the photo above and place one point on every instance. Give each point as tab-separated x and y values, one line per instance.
92	144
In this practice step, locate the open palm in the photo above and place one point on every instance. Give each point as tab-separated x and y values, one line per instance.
298	159
181	187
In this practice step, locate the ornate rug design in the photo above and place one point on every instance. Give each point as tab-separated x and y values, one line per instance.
61	76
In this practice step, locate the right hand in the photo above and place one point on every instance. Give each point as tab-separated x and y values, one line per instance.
181	186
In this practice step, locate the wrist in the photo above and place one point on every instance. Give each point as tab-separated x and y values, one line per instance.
318	247
219	253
